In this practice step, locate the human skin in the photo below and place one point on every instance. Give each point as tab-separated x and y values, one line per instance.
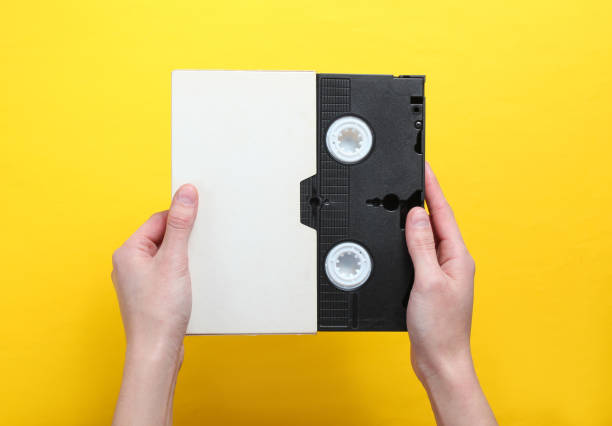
439	312
151	277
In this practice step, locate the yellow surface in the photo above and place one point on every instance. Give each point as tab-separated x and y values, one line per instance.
519	112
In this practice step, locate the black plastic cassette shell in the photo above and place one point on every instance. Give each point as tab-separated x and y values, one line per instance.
345	202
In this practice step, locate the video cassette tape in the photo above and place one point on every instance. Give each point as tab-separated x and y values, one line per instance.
370	172
305	181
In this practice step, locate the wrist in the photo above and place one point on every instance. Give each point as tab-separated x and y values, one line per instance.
149	378
455	393
449	369
160	353
453	376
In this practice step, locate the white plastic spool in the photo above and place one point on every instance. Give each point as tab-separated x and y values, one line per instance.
349	139
348	266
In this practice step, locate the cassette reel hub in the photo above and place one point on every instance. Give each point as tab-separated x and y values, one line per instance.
349	139
348	266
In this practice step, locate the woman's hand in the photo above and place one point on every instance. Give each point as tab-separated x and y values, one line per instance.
151	277
439	314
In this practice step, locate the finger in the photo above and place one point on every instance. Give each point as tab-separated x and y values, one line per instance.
149	236
181	217
442	217
420	241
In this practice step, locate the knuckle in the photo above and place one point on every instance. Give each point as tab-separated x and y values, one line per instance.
178	221
469	263
182	268
174	266
437	282
123	258
118	256
442	207
433	281
157	215
148	246
424	243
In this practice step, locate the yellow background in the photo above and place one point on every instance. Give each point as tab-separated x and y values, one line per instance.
519	110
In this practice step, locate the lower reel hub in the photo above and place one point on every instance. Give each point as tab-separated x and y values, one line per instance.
348	266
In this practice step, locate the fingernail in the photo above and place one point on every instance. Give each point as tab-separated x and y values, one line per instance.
186	195
419	218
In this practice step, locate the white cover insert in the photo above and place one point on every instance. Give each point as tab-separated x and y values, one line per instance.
246	139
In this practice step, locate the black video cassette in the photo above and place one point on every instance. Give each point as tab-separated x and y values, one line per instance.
370	173
305	181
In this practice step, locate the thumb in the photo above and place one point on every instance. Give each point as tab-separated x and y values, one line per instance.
181	216
421	243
